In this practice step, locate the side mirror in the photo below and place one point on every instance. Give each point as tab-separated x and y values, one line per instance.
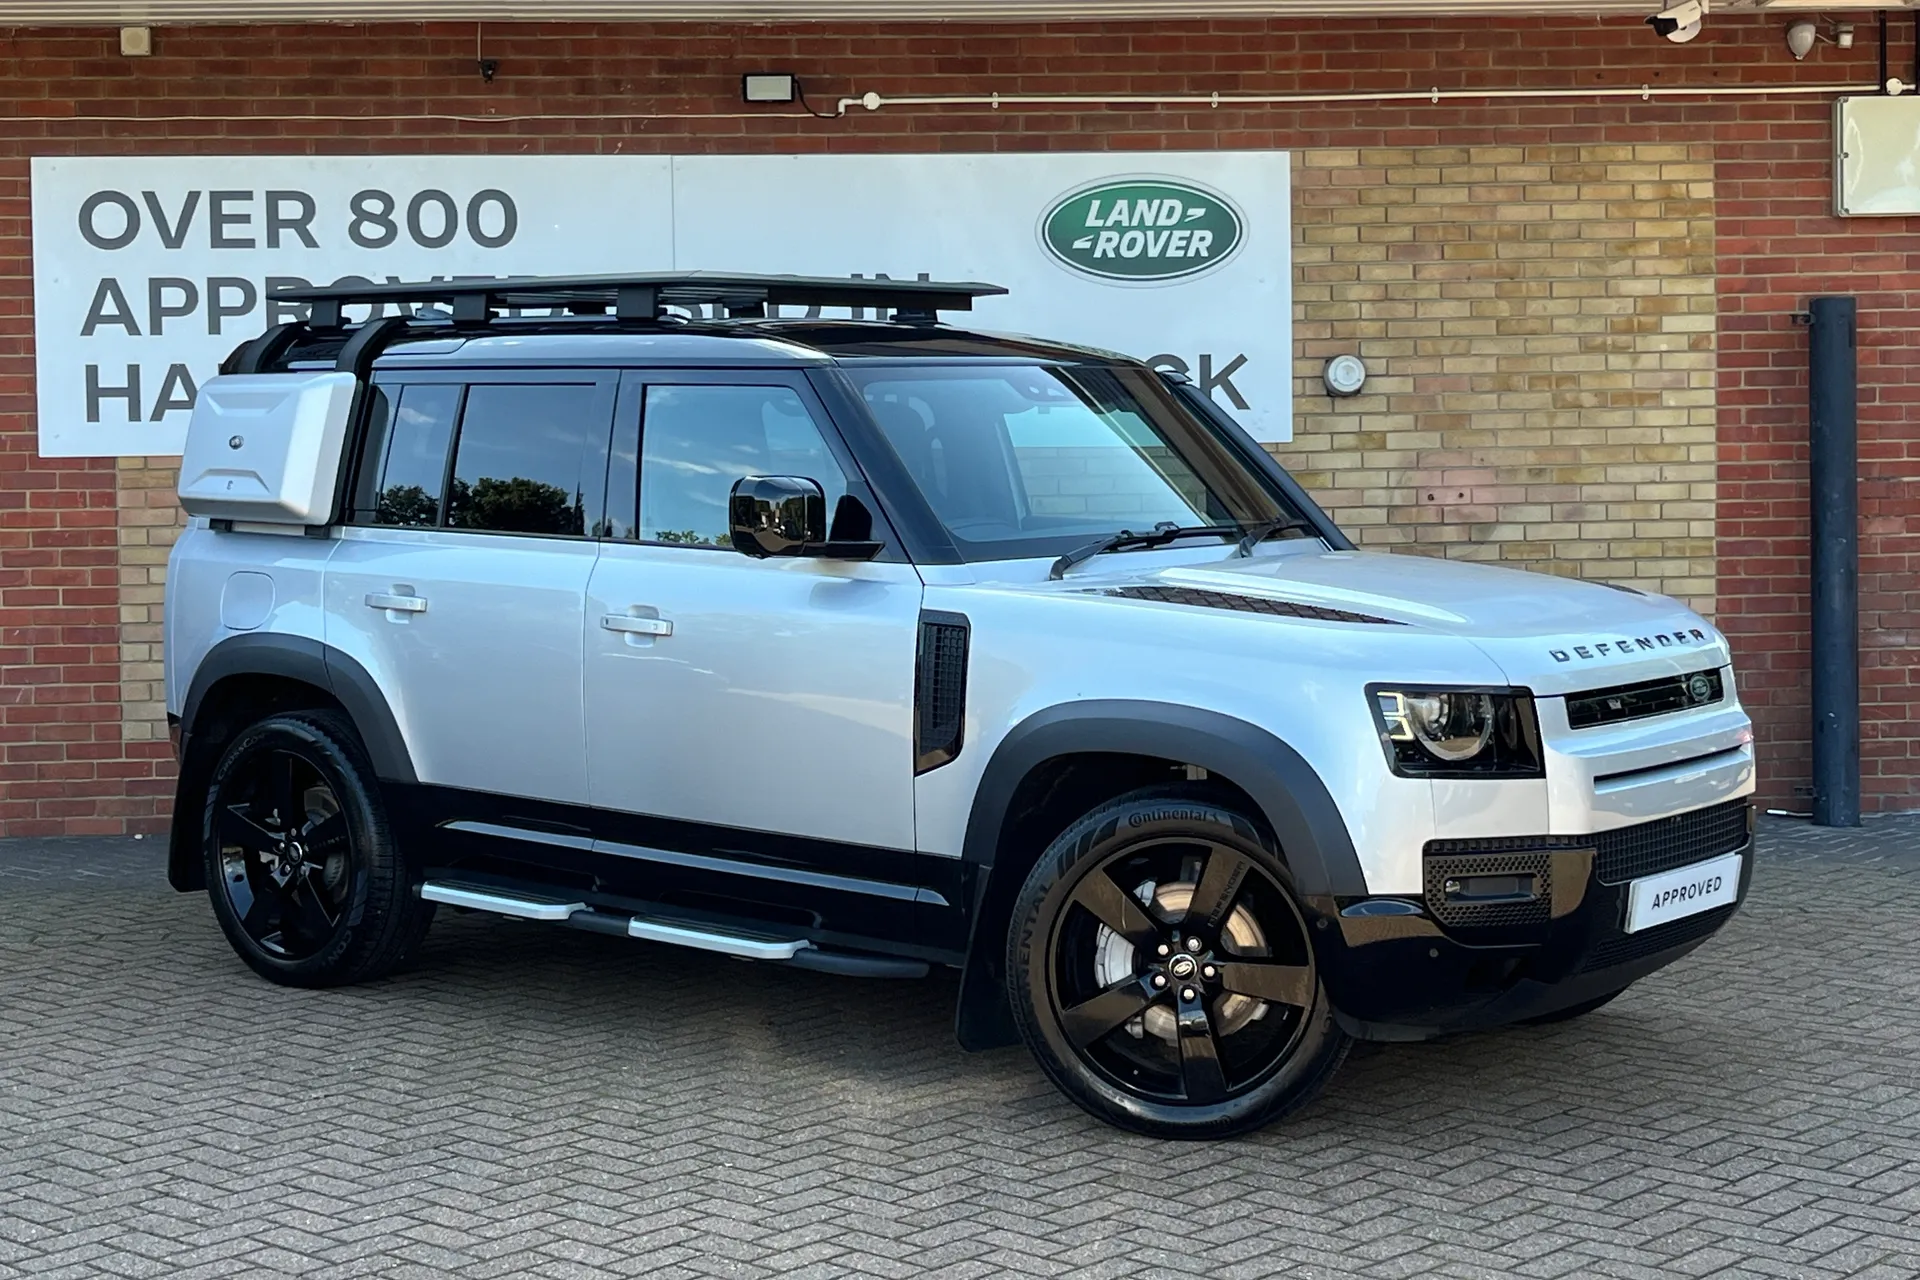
776	515
787	516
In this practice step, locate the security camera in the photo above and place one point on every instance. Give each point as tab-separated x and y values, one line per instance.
1680	22
1800	38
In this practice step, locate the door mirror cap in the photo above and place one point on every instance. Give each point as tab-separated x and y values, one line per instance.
787	516
776	515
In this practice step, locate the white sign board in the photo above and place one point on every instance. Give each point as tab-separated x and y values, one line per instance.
148	271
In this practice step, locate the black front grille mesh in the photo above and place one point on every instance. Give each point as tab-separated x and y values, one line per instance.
1488	915
1626	947
1627	853
1648	848
1247	604
1648	698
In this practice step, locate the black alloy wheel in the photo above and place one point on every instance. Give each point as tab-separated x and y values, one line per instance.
1163	974
303	873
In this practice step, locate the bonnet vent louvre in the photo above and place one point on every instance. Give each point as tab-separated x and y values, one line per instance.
1200	599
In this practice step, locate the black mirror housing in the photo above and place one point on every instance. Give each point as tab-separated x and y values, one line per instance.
787	516
776	515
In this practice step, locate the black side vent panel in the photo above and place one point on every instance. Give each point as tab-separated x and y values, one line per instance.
939	689
1246	604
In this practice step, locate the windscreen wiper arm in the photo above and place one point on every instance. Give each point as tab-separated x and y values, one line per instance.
1159	536
1259	533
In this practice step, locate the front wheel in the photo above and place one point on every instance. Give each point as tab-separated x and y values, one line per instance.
305	877
1161	972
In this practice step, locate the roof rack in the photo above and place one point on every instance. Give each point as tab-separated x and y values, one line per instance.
641	298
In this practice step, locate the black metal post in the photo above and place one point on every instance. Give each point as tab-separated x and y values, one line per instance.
1833	473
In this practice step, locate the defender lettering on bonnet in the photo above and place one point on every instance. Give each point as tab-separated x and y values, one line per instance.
1141	229
1638	644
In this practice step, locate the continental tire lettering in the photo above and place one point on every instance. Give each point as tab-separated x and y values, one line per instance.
1170	815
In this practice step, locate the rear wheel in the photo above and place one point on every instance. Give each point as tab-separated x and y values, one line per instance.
1161	971
302	869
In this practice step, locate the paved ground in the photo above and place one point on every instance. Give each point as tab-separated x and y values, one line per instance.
541	1102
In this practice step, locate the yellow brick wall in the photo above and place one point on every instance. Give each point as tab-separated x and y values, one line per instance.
149	517
1538	324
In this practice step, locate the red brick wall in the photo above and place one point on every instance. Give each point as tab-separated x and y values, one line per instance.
63	766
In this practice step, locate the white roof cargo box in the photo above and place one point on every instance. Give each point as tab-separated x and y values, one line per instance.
266	447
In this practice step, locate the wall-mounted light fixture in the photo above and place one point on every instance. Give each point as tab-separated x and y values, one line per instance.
136	42
768	86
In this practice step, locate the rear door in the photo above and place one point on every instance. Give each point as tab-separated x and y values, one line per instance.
757	713
461	577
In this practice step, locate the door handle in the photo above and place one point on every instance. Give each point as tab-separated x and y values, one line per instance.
636	626
398	603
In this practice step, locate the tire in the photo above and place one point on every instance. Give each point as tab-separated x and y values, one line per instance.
323	899
1572	1011
1202	1056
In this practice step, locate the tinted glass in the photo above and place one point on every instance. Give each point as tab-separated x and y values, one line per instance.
405	461
1032	460
696	441
518	466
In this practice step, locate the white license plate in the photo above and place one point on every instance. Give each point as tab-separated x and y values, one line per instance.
1675	895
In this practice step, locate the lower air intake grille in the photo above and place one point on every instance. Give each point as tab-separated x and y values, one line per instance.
1455	913
1648	848
1628	947
1247	604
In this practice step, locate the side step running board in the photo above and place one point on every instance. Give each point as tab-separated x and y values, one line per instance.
799	952
479	897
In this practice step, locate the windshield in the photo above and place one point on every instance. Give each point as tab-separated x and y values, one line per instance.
1032	460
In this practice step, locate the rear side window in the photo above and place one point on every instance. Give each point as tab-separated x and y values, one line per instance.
403	469
494	457
518	467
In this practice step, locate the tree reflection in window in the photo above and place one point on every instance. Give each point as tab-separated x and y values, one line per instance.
516	505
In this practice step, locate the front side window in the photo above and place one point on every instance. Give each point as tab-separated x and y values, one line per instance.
697	440
1030	460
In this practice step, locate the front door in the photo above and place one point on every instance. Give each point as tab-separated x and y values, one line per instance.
751	718
460	581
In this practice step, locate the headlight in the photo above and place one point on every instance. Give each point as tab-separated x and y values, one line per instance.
1458	733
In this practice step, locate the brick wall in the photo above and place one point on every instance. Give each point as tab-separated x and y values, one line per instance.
1553	296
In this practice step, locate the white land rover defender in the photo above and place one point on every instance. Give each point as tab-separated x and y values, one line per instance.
871	645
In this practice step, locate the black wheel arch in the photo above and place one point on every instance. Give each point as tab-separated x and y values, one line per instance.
289	662
1298	810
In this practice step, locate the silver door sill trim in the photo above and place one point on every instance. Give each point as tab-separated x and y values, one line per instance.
760	871
725	943
556	838
480	898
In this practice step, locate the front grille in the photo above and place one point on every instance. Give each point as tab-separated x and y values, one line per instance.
1246	604
1484	915
1649	848
1628	947
1648	698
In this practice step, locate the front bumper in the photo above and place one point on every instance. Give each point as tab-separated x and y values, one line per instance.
1401	969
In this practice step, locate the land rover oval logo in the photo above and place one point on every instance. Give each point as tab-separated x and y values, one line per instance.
1141	229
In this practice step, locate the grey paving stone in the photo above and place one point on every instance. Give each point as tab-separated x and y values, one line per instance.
538	1102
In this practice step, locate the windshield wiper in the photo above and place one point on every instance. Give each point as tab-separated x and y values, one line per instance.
1159	536
1259	533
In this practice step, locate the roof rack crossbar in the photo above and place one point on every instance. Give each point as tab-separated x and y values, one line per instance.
642	297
